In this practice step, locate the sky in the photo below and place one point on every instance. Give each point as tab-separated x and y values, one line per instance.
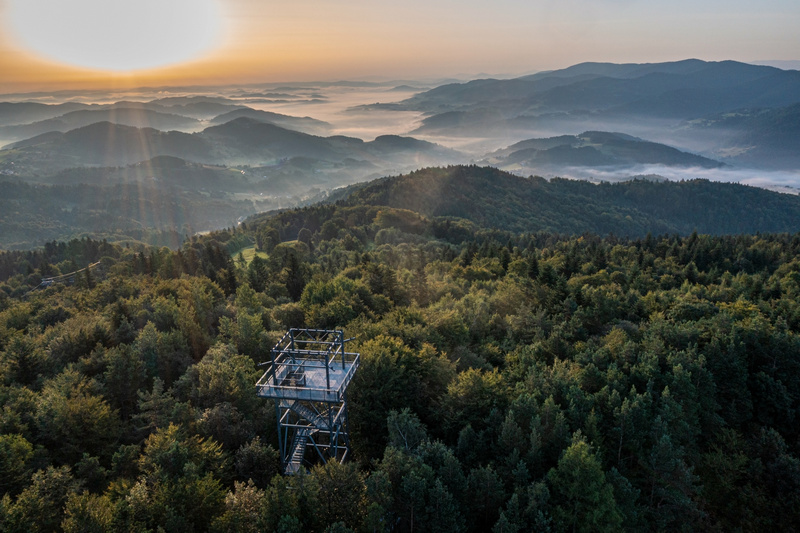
65	44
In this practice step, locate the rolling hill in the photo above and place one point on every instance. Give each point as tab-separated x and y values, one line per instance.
127	116
595	149
678	89
14	113
101	144
495	199
242	141
303	124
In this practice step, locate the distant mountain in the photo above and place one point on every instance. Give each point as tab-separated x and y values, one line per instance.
394	145
595	149
303	124
102	144
615	70
200	108
405	88
171	101
134	116
246	140
242	141
13	113
671	89
492	198
646	100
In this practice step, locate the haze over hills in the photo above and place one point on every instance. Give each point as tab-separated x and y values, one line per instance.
594	149
767	137
22	120
647	100
149	212
29	112
14	113
242	141
660	102
137	117
303	124
229	143
675	90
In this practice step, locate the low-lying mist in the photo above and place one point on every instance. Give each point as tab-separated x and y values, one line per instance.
787	181
348	108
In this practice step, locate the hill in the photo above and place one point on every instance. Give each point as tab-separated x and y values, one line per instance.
495	199
595	149
247	140
200	107
128	116
12	113
302	124
102	144
685	88
242	141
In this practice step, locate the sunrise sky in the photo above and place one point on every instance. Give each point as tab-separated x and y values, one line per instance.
240	41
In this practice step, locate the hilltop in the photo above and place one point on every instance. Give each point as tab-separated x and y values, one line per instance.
126	116
303	124
241	141
595	149
494	199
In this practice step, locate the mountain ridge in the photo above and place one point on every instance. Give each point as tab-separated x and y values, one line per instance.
242	141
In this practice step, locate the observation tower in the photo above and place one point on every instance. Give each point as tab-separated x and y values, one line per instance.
308	378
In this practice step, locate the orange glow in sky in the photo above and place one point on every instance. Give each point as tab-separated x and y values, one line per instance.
117	35
51	44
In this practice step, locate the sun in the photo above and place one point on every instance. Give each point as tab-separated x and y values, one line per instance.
117	35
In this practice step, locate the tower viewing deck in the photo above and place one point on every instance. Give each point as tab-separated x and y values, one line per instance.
308	377
309	364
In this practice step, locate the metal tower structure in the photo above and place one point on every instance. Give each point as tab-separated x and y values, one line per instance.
308	378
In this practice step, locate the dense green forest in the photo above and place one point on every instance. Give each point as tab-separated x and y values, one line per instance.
509	381
495	199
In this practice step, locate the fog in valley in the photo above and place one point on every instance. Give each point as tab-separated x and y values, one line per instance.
217	155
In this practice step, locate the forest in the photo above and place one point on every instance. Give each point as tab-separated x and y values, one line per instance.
510	381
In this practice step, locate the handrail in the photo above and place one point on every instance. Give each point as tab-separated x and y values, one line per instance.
265	384
265	379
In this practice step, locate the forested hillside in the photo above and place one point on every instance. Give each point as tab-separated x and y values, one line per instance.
492	198
509	381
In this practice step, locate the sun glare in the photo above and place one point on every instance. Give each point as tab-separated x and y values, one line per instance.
118	35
